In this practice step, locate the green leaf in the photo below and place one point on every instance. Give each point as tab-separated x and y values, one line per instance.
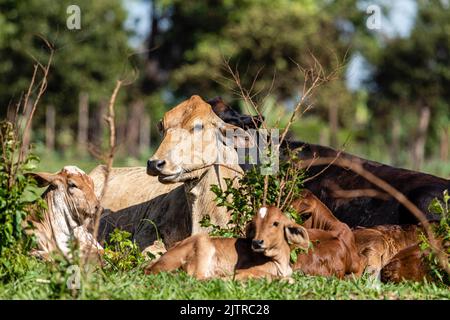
294	256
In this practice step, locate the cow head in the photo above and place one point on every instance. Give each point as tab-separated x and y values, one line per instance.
194	138
231	116
273	233
70	188
306	203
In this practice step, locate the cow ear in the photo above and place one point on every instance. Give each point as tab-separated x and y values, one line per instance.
250	230
296	234
239	137
43	179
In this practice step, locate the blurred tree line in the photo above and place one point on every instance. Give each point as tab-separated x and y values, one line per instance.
400	114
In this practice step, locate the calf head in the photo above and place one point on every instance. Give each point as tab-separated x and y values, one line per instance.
306	203
71	188
274	233
194	138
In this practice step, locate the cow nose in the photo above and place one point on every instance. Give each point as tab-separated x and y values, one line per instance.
257	244
154	167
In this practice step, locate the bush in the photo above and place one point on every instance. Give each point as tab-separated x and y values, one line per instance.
242	200
17	195
121	253
441	232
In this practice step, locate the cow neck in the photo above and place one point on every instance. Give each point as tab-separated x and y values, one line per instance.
201	198
282	263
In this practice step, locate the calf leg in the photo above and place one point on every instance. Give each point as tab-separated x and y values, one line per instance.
201	266
173	259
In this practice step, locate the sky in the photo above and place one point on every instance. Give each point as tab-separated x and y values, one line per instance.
398	22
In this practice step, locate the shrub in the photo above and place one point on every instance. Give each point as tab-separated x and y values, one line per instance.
441	231
122	253
18	192
242	200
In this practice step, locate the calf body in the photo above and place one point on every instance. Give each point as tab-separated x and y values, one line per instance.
334	248
204	257
379	244
330	256
266	255
407	264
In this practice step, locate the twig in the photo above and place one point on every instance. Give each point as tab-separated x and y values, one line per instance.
42	88
110	119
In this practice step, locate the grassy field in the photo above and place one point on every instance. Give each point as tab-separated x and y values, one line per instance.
43	282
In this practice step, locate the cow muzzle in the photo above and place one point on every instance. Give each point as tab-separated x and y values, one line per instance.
155	167
258	245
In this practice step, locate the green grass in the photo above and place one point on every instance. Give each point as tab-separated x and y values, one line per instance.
39	282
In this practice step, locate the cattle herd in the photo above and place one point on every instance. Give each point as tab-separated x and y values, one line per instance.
167	199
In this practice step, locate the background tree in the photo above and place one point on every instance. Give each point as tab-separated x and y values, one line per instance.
411	83
86	60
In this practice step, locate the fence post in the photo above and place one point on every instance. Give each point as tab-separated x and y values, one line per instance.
50	127
83	121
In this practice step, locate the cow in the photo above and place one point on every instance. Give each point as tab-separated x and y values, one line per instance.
71	211
367	210
267	255
335	251
380	243
174	205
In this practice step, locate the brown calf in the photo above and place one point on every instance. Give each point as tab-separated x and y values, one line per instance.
379	244
267	255
334	247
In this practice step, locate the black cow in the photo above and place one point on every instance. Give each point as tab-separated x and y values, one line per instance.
420	188
366	211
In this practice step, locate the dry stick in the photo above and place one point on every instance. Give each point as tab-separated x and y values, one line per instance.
42	88
41	91
13	168
306	92
324	169
400	197
110	119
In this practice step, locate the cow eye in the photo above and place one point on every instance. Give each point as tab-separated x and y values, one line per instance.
198	127
160	126
275	224
71	184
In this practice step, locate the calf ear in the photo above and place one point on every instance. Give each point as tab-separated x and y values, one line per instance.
250	230
43	179
240	138
296	234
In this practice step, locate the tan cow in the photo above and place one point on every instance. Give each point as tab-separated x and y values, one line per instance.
175	203
71	208
265	256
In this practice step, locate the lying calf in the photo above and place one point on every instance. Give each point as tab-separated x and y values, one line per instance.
334	248
266	256
379	244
